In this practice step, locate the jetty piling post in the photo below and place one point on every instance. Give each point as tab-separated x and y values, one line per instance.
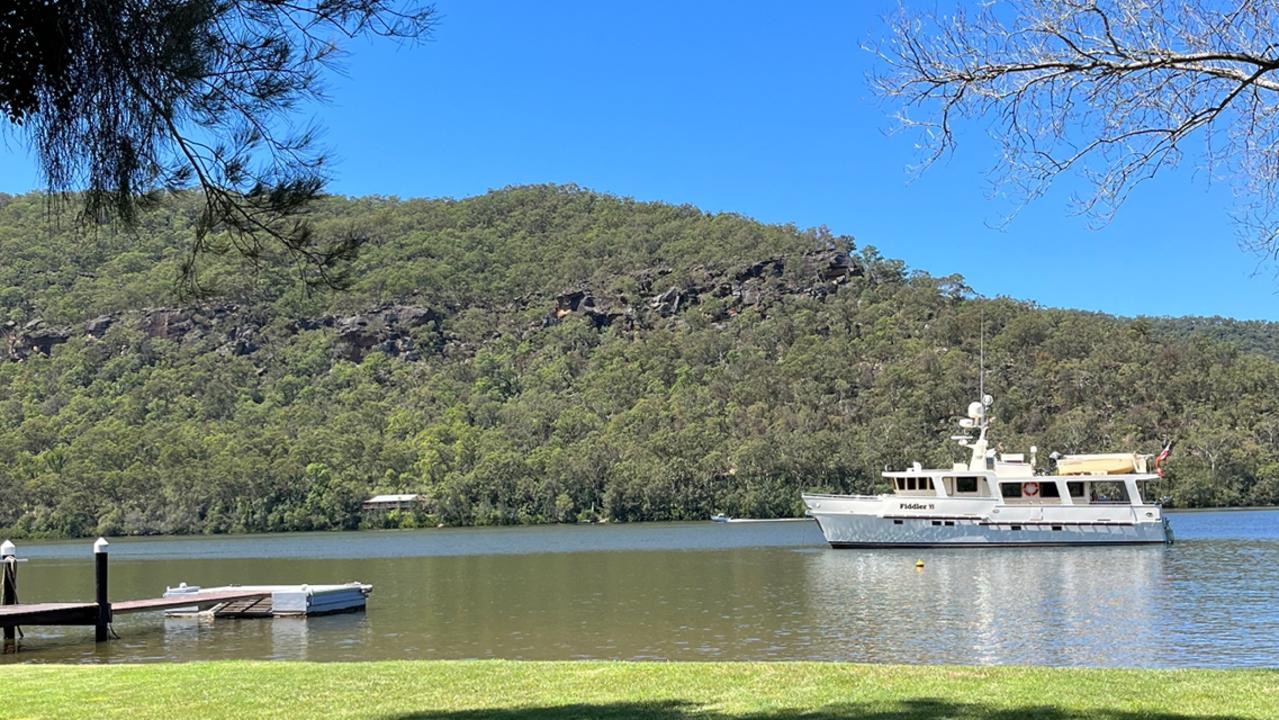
100	585
9	584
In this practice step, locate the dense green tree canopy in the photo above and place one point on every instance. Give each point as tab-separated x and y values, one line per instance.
547	354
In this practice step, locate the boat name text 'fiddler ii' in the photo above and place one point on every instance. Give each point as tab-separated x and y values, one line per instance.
915	506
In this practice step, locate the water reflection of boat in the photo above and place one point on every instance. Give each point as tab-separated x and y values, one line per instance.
1055	606
997	499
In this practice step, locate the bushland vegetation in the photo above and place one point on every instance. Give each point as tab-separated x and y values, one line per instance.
549	354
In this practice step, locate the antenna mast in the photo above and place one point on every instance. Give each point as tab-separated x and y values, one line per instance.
981	354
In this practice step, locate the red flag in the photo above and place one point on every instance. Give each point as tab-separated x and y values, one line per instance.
1163	455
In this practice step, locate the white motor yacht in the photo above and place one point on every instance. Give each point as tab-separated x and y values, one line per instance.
997	499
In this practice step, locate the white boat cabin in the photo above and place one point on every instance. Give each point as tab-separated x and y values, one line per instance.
1018	489
1105	479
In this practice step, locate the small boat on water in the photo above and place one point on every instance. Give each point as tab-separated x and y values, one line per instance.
997	499
720	518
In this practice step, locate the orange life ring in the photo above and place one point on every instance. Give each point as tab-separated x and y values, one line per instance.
1030	489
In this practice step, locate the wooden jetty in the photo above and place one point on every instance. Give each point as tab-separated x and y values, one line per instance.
231	601
86	613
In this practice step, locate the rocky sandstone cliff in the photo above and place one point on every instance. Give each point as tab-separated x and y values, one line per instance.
410	331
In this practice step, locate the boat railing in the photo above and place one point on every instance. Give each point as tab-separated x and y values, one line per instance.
841	497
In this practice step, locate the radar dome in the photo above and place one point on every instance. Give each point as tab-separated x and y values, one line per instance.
976	410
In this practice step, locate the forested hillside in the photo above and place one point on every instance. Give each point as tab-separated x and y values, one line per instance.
548	354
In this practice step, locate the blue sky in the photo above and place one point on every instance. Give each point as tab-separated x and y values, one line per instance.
759	109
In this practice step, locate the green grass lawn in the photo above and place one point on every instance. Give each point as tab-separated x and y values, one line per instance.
654	691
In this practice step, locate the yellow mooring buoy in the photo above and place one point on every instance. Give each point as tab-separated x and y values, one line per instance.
919	564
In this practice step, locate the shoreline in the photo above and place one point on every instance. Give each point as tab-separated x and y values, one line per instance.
477	689
287	533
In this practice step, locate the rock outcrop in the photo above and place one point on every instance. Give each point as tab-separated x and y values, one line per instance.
582	302
411	332
820	273
32	337
230	329
386	329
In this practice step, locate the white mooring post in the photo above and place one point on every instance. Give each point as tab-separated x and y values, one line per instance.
9	583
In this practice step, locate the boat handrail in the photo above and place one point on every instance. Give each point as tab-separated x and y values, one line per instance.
1136	477
841	497
937	472
1014	479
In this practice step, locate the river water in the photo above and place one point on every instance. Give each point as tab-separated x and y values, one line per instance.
694	591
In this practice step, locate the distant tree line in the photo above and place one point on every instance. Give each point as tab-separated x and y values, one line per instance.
510	408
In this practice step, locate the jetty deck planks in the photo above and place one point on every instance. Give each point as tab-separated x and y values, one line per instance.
86	613
48	614
176	601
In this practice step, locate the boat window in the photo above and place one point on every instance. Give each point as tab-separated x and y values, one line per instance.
910	483
1109	492
1010	490
937	522
1049	490
897	522
950	522
1076	489
1016	527
1057	528
901	484
926	483
966	484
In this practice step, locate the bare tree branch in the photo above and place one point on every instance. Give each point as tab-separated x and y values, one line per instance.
1109	89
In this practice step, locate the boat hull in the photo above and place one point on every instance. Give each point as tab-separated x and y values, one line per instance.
846	530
